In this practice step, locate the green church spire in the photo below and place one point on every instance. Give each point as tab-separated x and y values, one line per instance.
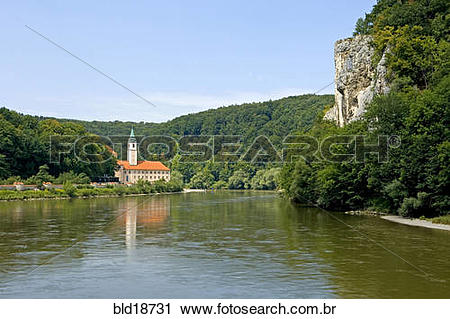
132	132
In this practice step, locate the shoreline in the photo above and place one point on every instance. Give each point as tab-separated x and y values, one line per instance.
415	222
185	191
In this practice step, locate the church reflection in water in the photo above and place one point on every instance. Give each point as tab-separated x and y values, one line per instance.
147	214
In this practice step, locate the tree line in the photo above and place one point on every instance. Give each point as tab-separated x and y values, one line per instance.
25	142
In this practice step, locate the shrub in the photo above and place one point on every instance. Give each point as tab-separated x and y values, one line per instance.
396	191
69	189
220	185
412	207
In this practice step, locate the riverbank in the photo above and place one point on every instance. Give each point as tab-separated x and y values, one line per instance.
416	222
89	197
117	191
6	196
192	190
442	223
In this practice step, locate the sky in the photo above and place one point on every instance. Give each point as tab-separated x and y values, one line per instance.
182	56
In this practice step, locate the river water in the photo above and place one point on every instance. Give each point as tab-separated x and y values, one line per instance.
213	245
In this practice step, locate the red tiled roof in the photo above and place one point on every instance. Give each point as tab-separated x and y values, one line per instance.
144	166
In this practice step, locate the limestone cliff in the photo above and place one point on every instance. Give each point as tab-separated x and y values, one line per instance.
357	81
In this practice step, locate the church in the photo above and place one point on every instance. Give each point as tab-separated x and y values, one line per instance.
132	170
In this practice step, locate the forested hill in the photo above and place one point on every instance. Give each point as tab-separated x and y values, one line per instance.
24	139
275	119
25	149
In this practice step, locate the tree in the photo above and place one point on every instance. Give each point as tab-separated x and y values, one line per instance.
363	27
202	180
410	53
265	179
4	168
239	180
43	175
69	189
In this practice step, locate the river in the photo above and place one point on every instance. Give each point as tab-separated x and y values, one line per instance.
213	245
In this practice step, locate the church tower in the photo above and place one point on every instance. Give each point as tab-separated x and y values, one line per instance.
131	171
132	149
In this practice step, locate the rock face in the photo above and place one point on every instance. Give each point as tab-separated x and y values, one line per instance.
356	80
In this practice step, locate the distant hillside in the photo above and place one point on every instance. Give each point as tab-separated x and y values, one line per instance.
25	149
275	119
24	139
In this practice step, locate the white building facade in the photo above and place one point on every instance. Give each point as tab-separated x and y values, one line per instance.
132	170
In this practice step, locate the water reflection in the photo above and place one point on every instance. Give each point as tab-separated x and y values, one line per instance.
149	213
130	228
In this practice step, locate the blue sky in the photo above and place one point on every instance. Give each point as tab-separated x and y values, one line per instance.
184	56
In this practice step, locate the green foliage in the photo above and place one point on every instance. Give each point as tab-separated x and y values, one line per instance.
413	206
202	180
70	176
362	27
239	180
299	183
31	194
28	150
4	169
419	166
411	55
144	186
396	192
160	186
265	179
25	149
431	15
69	189
414	35
274	119
176	183
441	220
410	206
416	178
41	177
220	185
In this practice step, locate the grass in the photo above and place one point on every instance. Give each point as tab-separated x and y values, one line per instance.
441	220
86	191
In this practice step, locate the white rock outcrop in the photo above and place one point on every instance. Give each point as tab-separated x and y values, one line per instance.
356	80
